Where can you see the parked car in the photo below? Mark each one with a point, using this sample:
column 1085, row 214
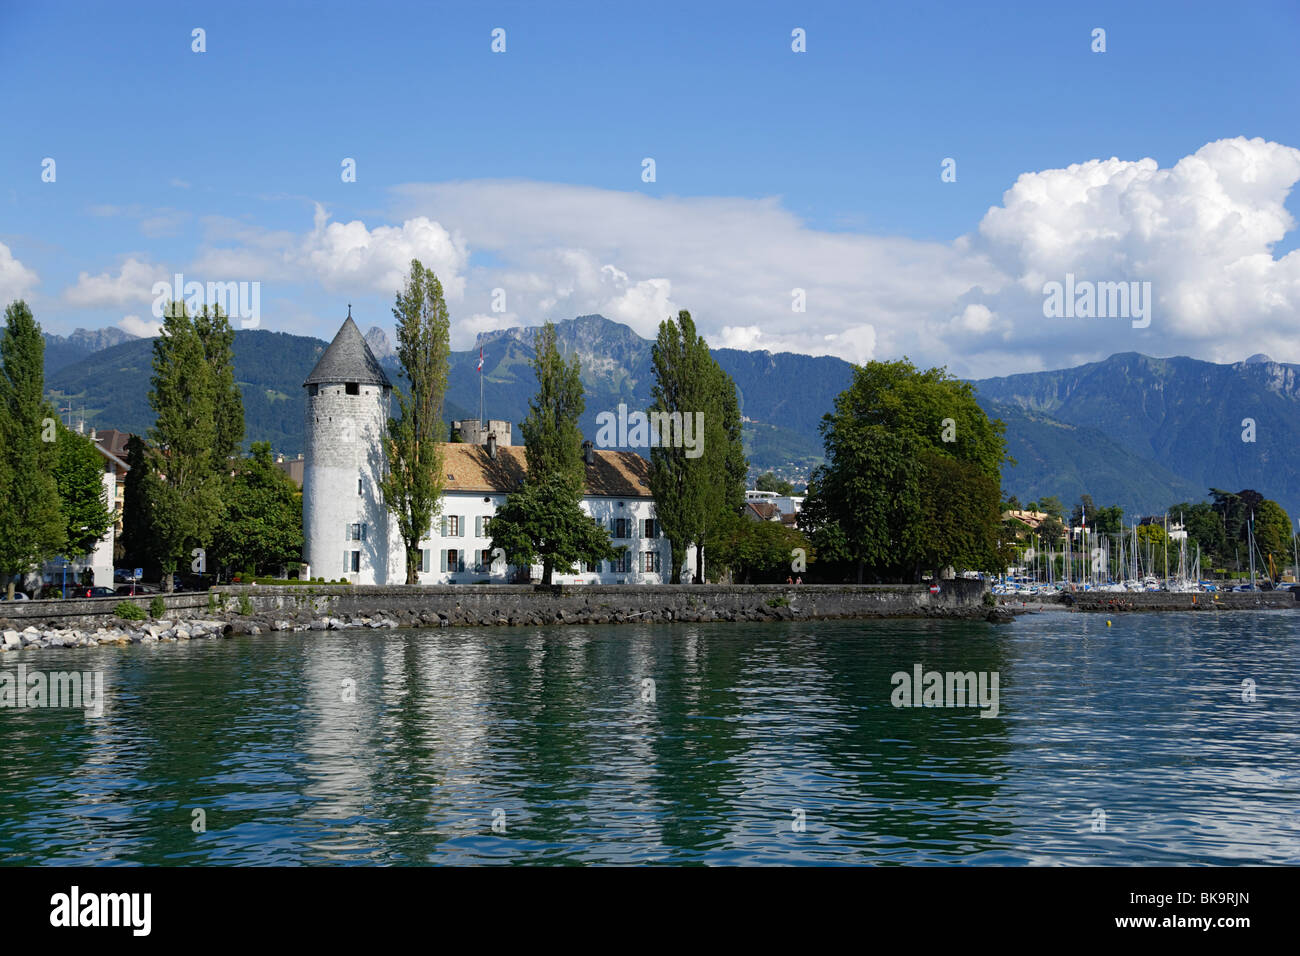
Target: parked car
column 129, row 589
column 18, row 596
column 87, row 592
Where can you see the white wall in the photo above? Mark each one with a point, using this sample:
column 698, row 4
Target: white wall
column 469, row 541
column 344, row 434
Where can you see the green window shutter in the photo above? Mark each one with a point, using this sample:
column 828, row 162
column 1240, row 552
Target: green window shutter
column 444, row 558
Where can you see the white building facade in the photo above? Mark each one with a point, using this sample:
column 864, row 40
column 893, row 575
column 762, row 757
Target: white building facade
column 349, row 534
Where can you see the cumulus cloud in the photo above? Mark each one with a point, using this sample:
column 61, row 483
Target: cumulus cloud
column 131, row 286
column 1201, row 233
column 341, row 257
column 16, row 280
column 756, row 276
column 736, row 264
column 145, row 328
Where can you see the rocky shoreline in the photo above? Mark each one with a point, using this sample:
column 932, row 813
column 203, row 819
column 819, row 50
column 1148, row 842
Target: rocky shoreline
column 175, row 630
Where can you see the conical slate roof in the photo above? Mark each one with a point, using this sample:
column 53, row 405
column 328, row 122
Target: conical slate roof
column 348, row 359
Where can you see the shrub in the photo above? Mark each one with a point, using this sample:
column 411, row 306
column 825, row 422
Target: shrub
column 245, row 605
column 779, row 602
column 129, row 612
column 990, row 600
column 157, row 607
column 214, row 601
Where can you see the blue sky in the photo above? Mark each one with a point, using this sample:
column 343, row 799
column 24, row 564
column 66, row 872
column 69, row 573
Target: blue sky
column 775, row 170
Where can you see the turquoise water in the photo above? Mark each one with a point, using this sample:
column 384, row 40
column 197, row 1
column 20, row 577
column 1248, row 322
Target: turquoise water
column 762, row 743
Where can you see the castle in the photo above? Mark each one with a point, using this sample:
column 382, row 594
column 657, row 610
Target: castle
column 349, row 533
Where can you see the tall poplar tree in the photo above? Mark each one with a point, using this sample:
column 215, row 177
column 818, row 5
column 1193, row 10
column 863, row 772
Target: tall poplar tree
column 695, row 496
column 186, row 455
column 139, row 494
column 31, row 520
column 544, row 519
column 218, row 337
column 552, row 437
column 413, row 485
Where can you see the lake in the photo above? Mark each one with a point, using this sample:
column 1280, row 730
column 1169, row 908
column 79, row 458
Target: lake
column 1137, row 743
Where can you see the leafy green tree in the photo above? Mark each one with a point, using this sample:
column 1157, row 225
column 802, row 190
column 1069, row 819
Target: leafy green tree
column 32, row 526
column 1273, row 530
column 552, row 437
column 888, row 443
column 678, row 358
column 139, row 494
column 759, row 551
column 413, row 485
column 1052, row 505
column 1083, row 509
column 214, row 330
column 1106, row 520
column 1205, row 530
column 695, row 493
column 724, row 464
column 543, row 521
column 770, row 482
column 79, row 476
column 187, row 505
column 959, row 519
column 263, row 526
column 1051, row 530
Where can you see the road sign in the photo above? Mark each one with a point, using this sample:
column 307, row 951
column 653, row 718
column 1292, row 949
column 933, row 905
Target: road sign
column 934, row 589
column 139, row 573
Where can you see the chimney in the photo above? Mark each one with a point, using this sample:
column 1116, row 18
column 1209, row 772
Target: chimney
column 588, row 453
column 492, row 446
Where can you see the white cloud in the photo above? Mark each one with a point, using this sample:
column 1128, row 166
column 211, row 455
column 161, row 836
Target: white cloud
column 131, row 286
column 16, row 280
column 1201, row 232
column 734, row 263
column 341, row 257
column 145, row 328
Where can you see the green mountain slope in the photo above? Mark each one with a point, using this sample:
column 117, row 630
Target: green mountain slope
column 1183, row 414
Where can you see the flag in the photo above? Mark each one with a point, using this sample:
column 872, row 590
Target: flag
column 480, row 359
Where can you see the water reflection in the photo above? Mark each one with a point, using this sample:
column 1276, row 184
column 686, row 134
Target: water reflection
column 681, row 744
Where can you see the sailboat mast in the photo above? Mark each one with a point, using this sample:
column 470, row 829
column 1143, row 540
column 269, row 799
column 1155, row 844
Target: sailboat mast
column 1250, row 541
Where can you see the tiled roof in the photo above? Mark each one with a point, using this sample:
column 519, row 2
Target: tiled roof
column 614, row 474
column 348, row 359
column 113, row 441
column 762, row 510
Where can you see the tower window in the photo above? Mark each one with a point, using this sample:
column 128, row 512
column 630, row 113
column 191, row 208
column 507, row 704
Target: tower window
column 311, row 391
column 352, row 388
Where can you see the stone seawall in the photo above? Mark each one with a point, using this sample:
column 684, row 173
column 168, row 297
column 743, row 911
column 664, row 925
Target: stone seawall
column 1164, row 601
column 523, row 604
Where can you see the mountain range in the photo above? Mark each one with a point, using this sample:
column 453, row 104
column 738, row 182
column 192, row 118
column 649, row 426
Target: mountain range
column 1131, row 430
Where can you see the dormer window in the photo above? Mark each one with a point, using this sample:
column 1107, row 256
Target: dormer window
column 352, row 388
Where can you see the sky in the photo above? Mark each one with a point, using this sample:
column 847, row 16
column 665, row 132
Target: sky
column 800, row 199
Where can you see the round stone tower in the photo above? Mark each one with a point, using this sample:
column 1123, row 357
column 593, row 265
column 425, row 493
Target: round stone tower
column 344, row 521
